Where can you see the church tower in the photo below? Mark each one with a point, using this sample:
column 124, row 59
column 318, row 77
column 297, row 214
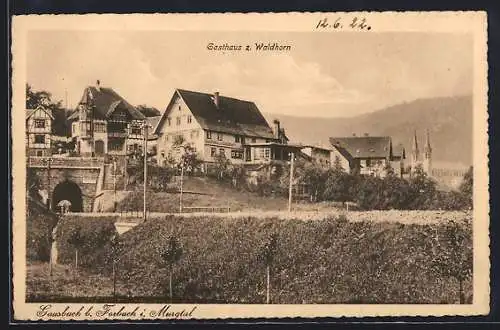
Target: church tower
column 427, row 163
column 414, row 152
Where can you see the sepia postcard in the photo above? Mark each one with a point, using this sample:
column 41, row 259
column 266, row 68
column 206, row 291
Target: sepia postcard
column 229, row 166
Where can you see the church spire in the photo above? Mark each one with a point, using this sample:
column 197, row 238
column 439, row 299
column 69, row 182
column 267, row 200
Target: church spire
column 427, row 155
column 414, row 149
column 427, row 148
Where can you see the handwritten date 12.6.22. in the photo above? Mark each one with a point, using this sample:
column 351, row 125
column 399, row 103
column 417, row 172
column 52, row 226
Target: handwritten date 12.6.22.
column 356, row 23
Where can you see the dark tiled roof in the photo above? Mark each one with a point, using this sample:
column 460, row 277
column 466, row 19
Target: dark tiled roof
column 106, row 100
column 233, row 116
column 364, row 147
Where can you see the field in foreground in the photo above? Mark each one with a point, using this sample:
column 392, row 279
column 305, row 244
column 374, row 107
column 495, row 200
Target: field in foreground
column 329, row 260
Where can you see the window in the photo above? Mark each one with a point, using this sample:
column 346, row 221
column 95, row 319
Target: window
column 100, row 127
column 236, row 154
column 40, row 138
column 242, row 140
column 213, row 151
column 178, row 121
column 261, row 153
column 169, row 122
column 39, row 123
column 179, row 108
column 222, row 152
column 39, row 153
column 267, row 153
column 368, row 163
column 219, row 136
column 237, row 138
column 190, row 118
column 254, row 140
column 136, row 131
column 209, row 135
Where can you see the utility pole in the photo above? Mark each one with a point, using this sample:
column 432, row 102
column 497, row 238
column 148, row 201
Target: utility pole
column 145, row 151
column 92, row 146
column 182, row 179
column 49, row 160
column 114, row 184
column 292, row 157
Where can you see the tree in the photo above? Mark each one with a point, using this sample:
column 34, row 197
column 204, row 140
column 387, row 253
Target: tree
column 337, row 164
column 115, row 252
column 221, row 166
column 148, row 111
column 369, row 195
column 189, row 158
column 170, row 255
column 238, row 175
column 339, row 186
column 313, row 177
column 422, row 190
column 76, row 239
column 467, row 186
column 34, row 98
column 267, row 255
column 33, row 183
column 454, row 255
column 395, row 192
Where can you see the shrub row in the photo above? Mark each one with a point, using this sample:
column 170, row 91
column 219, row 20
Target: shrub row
column 323, row 261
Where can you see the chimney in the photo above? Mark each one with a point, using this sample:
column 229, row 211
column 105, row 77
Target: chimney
column 98, row 85
column 276, row 129
column 216, row 99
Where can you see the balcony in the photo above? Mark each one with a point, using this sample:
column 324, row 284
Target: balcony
column 118, row 134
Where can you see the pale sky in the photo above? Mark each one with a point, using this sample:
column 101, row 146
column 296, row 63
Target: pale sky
column 324, row 75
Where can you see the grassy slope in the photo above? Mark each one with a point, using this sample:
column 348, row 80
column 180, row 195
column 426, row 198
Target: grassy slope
column 209, row 192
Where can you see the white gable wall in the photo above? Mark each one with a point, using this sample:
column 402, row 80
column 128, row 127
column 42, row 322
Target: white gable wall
column 178, row 115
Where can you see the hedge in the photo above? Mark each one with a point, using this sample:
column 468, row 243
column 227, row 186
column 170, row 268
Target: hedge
column 96, row 234
column 323, row 261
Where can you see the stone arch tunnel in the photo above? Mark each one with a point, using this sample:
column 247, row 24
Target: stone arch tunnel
column 70, row 191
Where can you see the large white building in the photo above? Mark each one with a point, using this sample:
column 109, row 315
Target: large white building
column 214, row 125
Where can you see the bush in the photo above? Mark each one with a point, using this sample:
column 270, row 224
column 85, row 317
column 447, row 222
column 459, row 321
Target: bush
column 322, row 261
column 38, row 236
column 96, row 234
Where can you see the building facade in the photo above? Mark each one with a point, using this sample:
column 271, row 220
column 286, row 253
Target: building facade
column 367, row 155
column 213, row 125
column 105, row 123
column 39, row 131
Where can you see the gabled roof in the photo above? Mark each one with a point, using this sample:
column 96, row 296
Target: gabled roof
column 30, row 112
column 106, row 101
column 232, row 116
column 153, row 121
column 363, row 146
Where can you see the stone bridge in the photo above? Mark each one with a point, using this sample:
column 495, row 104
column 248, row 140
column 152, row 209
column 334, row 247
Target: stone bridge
column 77, row 180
